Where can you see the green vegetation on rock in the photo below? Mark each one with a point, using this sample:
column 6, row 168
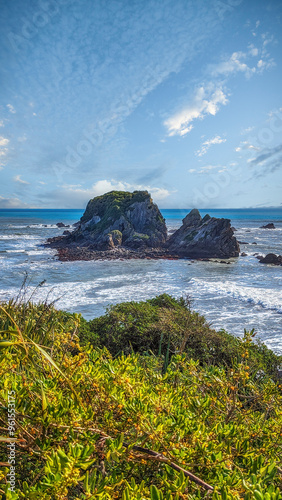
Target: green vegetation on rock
column 184, row 404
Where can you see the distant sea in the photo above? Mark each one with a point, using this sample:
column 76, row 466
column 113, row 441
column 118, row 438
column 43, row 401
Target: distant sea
column 242, row 294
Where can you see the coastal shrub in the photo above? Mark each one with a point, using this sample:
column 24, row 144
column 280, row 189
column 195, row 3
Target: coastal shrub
column 166, row 326
column 93, row 426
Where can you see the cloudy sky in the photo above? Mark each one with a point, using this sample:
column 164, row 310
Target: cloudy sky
column 179, row 97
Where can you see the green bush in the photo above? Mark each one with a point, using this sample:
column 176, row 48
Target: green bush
column 91, row 426
column 167, row 325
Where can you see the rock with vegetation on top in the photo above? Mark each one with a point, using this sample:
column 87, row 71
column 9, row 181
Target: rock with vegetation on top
column 204, row 237
column 121, row 218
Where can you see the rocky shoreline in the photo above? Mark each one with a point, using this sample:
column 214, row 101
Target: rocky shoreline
column 74, row 253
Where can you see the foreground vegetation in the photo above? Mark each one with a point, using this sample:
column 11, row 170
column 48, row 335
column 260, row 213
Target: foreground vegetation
column 146, row 402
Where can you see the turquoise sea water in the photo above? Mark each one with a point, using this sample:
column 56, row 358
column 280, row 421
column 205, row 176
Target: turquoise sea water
column 242, row 294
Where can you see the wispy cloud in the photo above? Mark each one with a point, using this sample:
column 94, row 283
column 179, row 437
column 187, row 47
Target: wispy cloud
column 266, row 155
column 234, row 64
column 209, row 97
column 11, row 108
column 12, row 203
column 17, row 178
column 206, row 101
column 207, row 169
column 208, row 143
column 246, row 145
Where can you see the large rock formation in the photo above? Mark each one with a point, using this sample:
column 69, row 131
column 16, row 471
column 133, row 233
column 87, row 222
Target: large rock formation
column 129, row 225
column 207, row 237
column 121, row 219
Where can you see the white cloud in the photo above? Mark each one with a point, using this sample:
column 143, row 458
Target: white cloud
column 262, row 65
column 233, row 65
column 3, row 141
column 253, row 51
column 1, row 123
column 207, row 144
column 12, row 203
column 11, row 108
column 78, row 196
column 247, row 130
column 17, row 178
column 207, row 101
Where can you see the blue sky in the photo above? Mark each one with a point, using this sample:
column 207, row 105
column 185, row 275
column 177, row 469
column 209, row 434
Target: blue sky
column 179, row 97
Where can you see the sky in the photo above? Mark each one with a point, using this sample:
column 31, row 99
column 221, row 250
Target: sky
column 178, row 97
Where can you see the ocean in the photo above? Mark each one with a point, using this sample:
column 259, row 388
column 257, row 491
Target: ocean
column 241, row 295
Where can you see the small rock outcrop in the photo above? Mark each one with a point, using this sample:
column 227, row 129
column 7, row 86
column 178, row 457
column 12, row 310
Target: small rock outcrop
column 268, row 226
column 204, row 237
column 121, row 218
column 271, row 258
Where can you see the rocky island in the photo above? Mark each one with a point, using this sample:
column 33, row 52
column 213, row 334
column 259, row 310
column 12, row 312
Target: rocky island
column 127, row 225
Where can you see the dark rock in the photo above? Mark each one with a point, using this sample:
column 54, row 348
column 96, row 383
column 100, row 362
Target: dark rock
column 243, row 243
column 268, row 226
column 129, row 225
column 66, row 232
column 207, row 237
column 271, row 258
column 243, row 254
column 234, row 229
column 254, row 243
column 60, row 224
column 121, row 218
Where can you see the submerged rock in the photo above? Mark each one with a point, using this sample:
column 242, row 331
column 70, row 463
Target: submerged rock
column 207, row 237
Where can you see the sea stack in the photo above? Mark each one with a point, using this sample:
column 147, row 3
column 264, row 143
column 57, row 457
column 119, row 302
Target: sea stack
column 129, row 225
column 205, row 237
column 119, row 219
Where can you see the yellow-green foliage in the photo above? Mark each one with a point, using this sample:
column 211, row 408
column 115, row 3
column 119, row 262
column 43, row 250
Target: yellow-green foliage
column 81, row 414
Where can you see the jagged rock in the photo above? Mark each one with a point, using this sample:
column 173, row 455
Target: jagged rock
column 129, row 225
column 268, row 226
column 207, row 237
column 243, row 254
column 121, row 218
column 60, row 224
column 271, row 258
column 66, row 232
